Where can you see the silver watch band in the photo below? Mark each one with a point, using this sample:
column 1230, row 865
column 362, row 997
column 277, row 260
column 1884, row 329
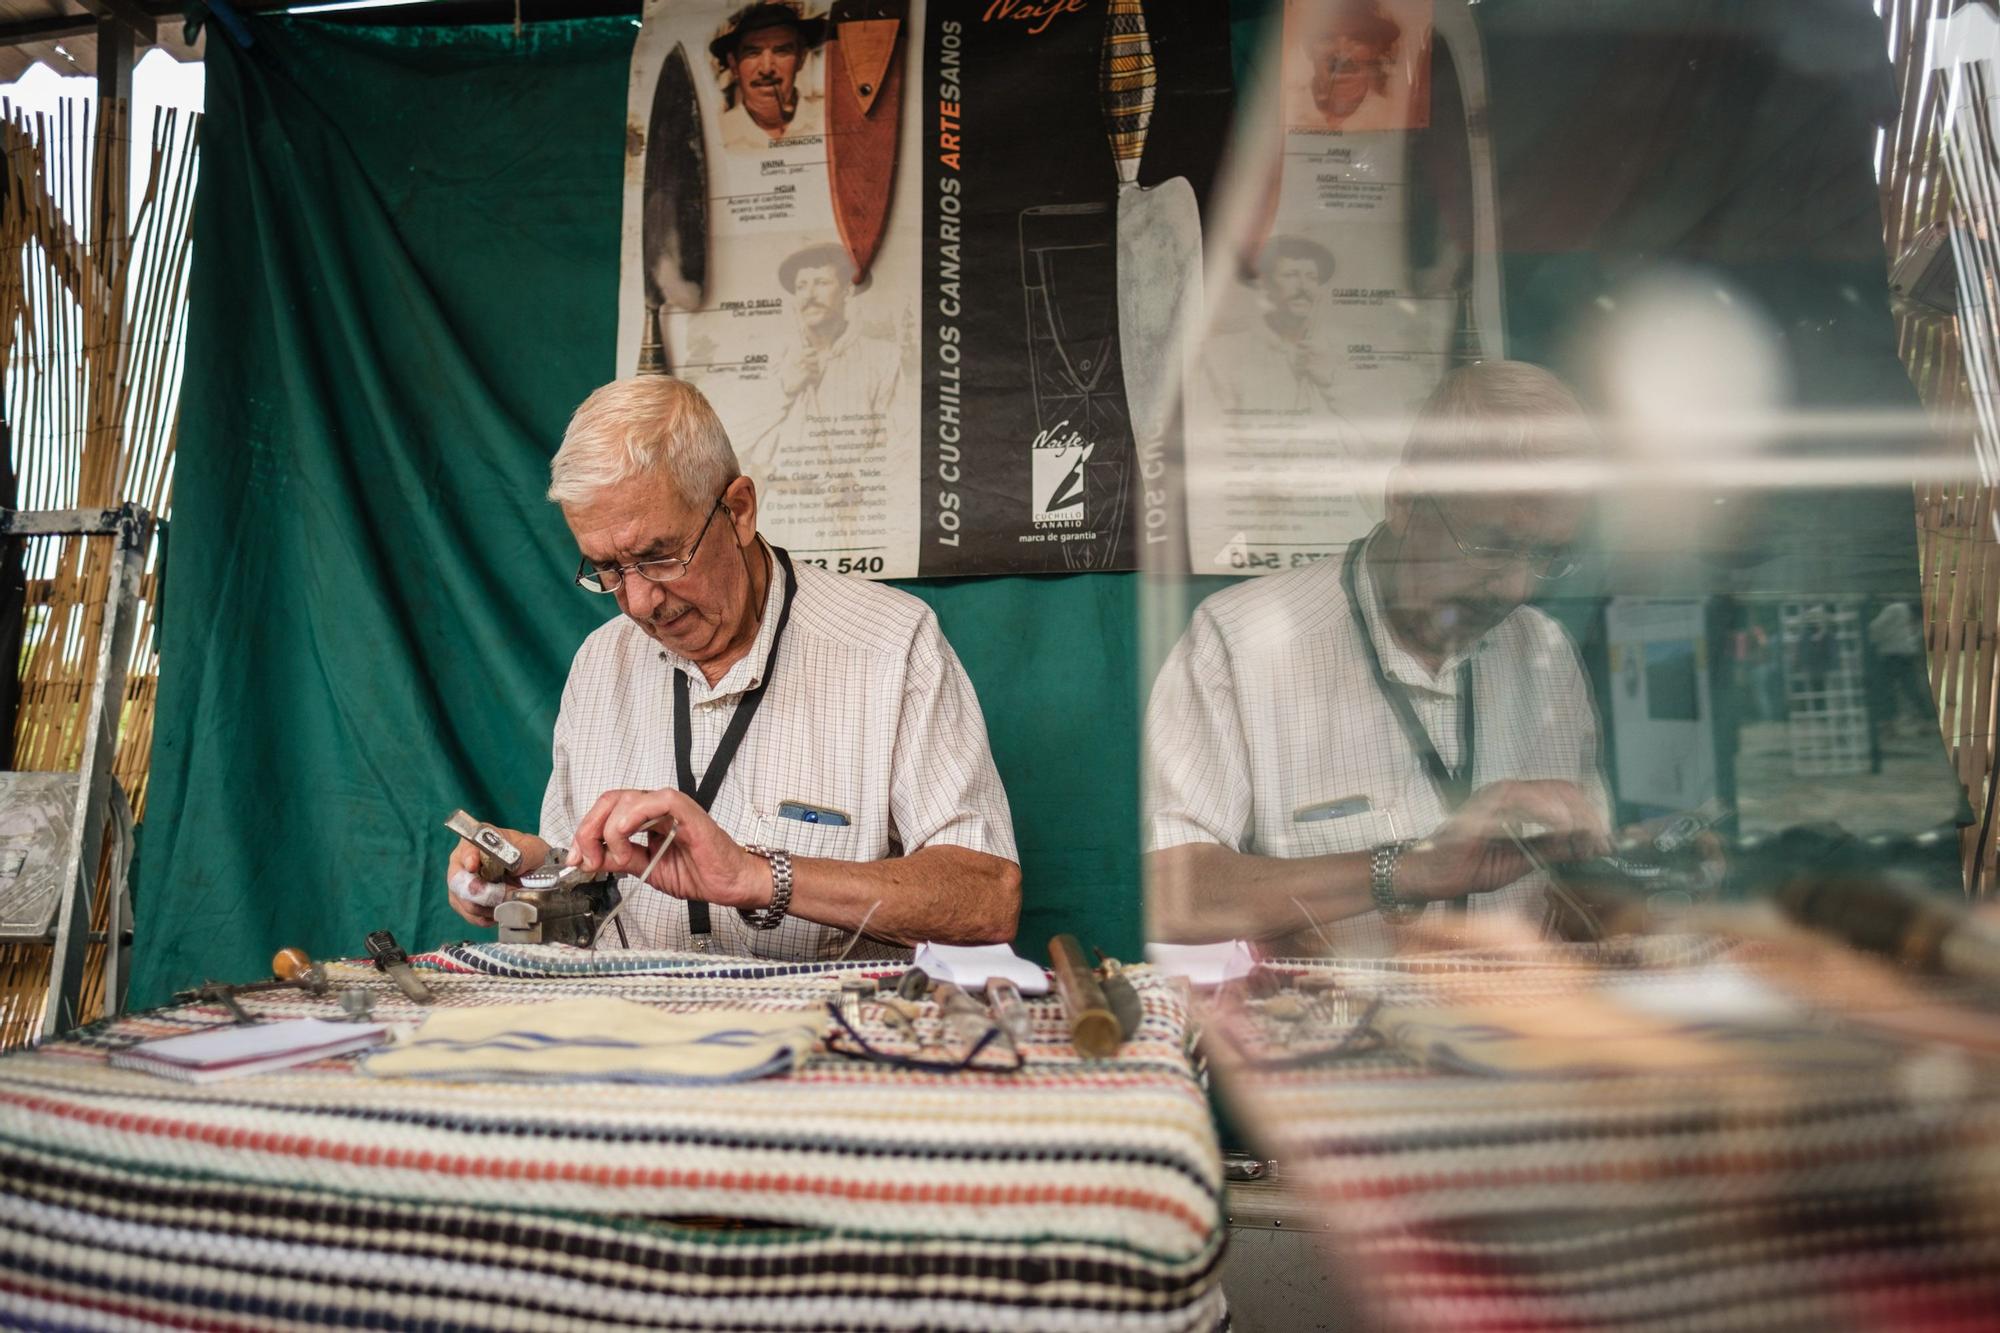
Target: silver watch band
column 1382, row 884
column 769, row 918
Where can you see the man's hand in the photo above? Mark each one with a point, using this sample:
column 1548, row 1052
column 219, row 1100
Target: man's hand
column 704, row 863
column 462, row 873
column 1475, row 852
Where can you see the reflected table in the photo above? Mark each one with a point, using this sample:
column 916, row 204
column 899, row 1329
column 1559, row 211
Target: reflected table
column 850, row 1194
column 1817, row 1187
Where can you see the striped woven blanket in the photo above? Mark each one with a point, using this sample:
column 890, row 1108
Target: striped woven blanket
column 1770, row 1197
column 851, row 1195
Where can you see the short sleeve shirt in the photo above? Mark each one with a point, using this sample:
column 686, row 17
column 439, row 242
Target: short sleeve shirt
column 869, row 717
column 1268, row 734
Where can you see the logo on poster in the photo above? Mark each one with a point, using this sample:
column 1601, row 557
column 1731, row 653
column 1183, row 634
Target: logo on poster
column 1057, row 476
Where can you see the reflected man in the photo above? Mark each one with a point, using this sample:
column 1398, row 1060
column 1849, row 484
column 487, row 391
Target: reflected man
column 1335, row 749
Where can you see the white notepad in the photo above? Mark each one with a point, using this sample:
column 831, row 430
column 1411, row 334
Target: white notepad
column 970, row 968
column 255, row 1048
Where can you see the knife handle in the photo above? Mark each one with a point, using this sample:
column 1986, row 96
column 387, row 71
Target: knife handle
column 1126, row 83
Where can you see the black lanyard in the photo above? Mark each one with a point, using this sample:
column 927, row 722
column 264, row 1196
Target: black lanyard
column 1453, row 784
column 710, row 782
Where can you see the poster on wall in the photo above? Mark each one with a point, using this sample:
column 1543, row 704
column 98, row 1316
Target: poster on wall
column 750, row 269
column 884, row 237
column 1337, row 328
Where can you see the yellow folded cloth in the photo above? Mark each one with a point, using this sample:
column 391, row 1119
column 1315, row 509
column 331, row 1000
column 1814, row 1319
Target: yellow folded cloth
column 600, row 1038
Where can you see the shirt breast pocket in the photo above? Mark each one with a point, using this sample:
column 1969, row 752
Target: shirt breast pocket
column 1346, row 833
column 831, row 842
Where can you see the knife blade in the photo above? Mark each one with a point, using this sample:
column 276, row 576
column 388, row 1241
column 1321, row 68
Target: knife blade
column 864, row 101
column 674, row 215
column 1159, row 236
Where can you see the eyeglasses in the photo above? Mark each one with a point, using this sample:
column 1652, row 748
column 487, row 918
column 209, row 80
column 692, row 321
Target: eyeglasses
column 857, row 1047
column 593, row 577
column 1547, row 563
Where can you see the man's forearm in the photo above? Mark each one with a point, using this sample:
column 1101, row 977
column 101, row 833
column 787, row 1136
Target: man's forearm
column 1203, row 892
column 947, row 895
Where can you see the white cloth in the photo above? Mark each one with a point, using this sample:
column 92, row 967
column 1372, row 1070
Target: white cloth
column 868, row 714
column 1266, row 714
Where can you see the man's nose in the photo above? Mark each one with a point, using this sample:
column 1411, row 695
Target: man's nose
column 1515, row 581
column 640, row 596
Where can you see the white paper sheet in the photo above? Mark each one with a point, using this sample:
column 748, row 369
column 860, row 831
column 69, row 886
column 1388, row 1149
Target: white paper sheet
column 971, row 968
column 1203, row 964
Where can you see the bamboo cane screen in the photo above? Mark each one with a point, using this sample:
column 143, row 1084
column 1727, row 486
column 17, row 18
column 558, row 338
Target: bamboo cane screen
column 1918, row 164
column 93, row 313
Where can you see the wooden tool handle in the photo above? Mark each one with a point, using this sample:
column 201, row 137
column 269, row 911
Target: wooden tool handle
column 291, row 964
column 1093, row 1029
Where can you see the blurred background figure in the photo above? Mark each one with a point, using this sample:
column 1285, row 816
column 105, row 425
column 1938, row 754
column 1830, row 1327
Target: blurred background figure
column 1896, row 634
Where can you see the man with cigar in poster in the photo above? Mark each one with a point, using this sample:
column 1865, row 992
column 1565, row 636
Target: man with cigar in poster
column 837, row 385
column 763, row 50
column 1343, row 58
column 1335, row 750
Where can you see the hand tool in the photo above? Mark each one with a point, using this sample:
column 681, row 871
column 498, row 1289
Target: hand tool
column 1093, row 1028
column 1120, row 995
column 673, row 831
column 498, row 858
column 390, row 958
column 1010, row 1011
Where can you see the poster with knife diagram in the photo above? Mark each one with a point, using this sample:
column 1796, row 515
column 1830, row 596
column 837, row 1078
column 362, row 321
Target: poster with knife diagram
column 896, row 242
column 771, row 257
column 1351, row 291
column 1071, row 144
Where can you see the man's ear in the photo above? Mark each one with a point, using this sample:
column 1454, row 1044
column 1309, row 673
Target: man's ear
column 1397, row 502
column 740, row 499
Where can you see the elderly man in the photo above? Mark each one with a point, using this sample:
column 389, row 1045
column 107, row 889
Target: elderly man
column 837, row 386
column 814, row 735
column 764, row 48
column 1334, row 749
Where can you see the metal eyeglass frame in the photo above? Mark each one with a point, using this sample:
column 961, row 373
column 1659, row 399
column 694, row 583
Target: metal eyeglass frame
column 1560, row 563
column 588, row 574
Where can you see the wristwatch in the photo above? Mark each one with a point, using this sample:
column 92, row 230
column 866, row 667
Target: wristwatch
column 1382, row 883
column 769, row 918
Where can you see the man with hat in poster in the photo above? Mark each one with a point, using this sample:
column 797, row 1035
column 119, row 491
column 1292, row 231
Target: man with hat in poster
column 763, row 49
column 837, row 386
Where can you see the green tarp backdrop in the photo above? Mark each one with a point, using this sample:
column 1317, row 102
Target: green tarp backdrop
column 405, row 278
column 406, row 261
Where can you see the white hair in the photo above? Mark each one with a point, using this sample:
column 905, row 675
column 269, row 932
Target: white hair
column 651, row 425
column 1500, row 412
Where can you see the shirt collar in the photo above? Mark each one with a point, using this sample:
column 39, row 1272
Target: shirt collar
column 1398, row 664
column 748, row 673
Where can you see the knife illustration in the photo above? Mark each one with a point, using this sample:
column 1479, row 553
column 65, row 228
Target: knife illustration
column 1159, row 237
column 674, row 217
column 864, row 102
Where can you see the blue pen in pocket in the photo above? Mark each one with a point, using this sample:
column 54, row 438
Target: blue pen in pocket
column 811, row 814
